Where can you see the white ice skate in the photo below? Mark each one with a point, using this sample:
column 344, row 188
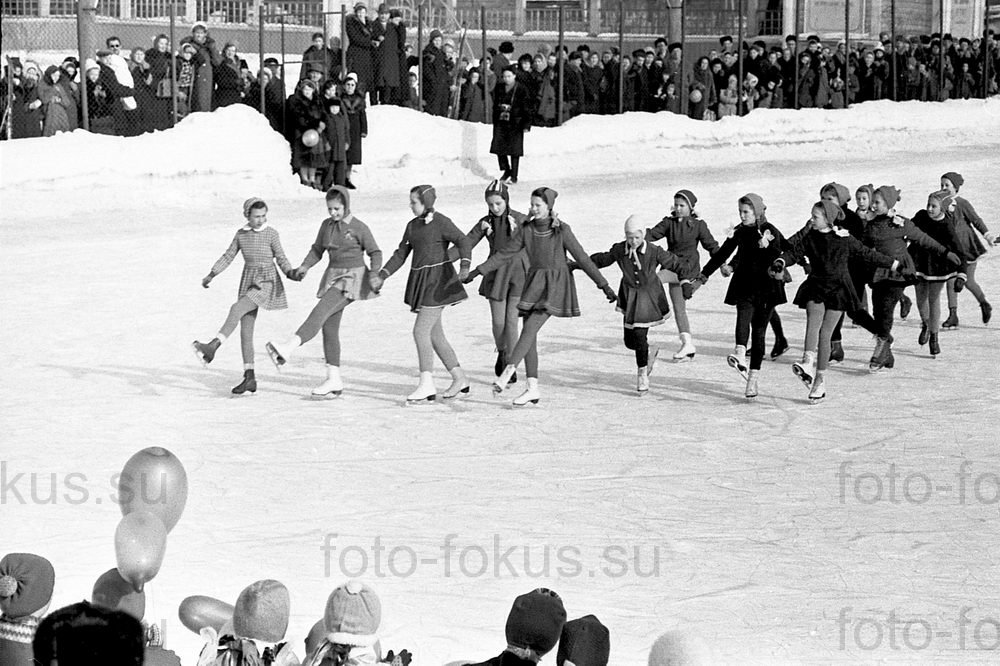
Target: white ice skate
column 425, row 392
column 277, row 355
column 806, row 368
column 503, row 381
column 818, row 390
column 738, row 361
column 459, row 384
column 687, row 350
column 531, row 395
column 333, row 387
column 653, row 353
column 751, row 391
column 642, row 380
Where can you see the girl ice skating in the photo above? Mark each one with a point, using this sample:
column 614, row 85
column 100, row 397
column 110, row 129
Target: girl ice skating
column 684, row 230
column 346, row 279
column 751, row 290
column 431, row 286
column 549, row 289
column 641, row 299
column 970, row 249
column 260, row 286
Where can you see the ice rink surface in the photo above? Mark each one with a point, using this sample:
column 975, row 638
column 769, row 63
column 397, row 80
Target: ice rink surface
column 861, row 529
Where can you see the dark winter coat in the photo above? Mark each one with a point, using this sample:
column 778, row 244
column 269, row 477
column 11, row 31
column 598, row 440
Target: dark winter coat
column 303, row 115
column 437, row 81
column 967, row 219
column 354, row 106
column 228, row 83
column 511, row 117
column 889, row 235
column 387, row 73
column 931, row 265
column 473, row 106
column 360, row 52
column 505, row 659
column 338, row 135
column 161, row 107
column 591, row 88
column 326, row 58
column 641, row 298
column 683, row 236
column 757, row 246
column 207, row 59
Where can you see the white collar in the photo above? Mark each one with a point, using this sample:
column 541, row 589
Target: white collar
column 247, row 227
column 632, row 250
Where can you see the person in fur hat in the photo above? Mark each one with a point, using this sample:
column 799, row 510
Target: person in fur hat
column 346, row 280
column 432, row 285
column 534, row 625
column 436, row 86
column 86, row 635
column 361, row 45
column 828, row 291
column 967, row 223
column 584, row 642
column 549, row 289
column 641, row 298
column 26, row 584
column 260, row 618
column 113, row 592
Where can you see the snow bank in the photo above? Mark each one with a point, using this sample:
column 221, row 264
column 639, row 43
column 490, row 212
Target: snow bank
column 235, row 142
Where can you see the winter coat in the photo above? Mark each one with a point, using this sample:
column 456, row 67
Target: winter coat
column 160, row 64
column 889, row 235
column 473, row 106
column 328, row 60
column 338, row 135
column 683, row 237
column 303, row 115
column 360, row 52
column 757, row 246
column 931, row 265
column 228, row 83
column 641, row 298
column 354, row 108
column 437, row 81
column 56, row 105
column 145, row 96
column 206, row 59
column 387, row 71
column 511, row 117
column 591, row 88
column 728, row 98
column 967, row 222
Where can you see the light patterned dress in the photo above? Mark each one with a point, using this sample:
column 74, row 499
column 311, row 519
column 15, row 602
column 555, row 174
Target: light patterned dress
column 260, row 281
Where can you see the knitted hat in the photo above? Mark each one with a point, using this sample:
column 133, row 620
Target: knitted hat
column 434, row 34
column 113, row 592
column 344, row 193
column 85, row 635
column 944, row 197
column 890, row 194
column 498, row 187
column 584, row 642
column 536, row 620
column 675, row 648
column 250, row 203
column 26, row 583
column 756, row 202
column 832, row 211
column 841, row 192
column 955, row 178
column 395, row 13
column 383, row 9
column 635, row 223
column 688, row 196
column 425, row 194
column 353, row 615
column 360, row 5
column 546, row 194
column 261, row 611
column 870, row 189
column 90, row 64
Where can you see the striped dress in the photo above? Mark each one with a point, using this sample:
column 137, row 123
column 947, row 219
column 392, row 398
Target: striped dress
column 260, row 281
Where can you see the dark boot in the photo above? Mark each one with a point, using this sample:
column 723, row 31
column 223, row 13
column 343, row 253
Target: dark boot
column 249, row 383
column 206, row 351
column 836, row 351
column 987, row 311
column 924, row 333
column 779, row 348
column 501, row 363
column 934, row 346
column 952, row 320
column 905, row 305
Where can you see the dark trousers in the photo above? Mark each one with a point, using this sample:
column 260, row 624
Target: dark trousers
column 885, row 296
column 509, row 164
column 336, row 174
column 636, row 339
column 751, row 323
column 860, row 317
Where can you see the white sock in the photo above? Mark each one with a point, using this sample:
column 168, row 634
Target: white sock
column 221, row 336
column 293, row 342
column 248, row 366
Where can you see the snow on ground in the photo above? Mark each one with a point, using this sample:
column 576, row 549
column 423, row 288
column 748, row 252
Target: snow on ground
column 764, row 519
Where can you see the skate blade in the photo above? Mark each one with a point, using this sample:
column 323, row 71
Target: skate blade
column 735, row 365
column 275, row 357
column 414, row 402
column 653, row 353
column 518, row 405
column 803, row 375
column 462, row 393
column 329, row 395
column 816, row 401
column 751, row 398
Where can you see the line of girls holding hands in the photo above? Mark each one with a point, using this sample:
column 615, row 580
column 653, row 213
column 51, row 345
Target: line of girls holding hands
column 529, row 277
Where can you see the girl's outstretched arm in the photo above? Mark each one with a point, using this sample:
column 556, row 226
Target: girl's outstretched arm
column 582, row 258
column 223, row 262
column 399, row 256
column 279, row 254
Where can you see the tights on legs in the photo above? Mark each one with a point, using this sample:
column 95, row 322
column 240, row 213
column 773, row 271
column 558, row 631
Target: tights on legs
column 247, row 322
column 680, row 307
column 326, row 316
column 929, row 304
column 636, row 340
column 526, row 347
column 970, row 284
column 820, row 323
column 751, row 323
column 430, row 339
column 241, row 307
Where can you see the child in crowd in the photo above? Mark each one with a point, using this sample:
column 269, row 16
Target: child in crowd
column 432, row 285
column 751, row 290
column 971, row 248
column 549, row 290
column 260, row 287
column 684, row 230
column 534, row 626
column 337, row 134
column 641, row 299
column 346, row 279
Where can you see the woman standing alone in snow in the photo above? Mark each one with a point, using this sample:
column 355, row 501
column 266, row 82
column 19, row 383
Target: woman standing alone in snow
column 260, row 287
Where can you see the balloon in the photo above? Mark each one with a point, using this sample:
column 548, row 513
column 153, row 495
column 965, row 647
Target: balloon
column 200, row 611
column 154, row 480
column 695, row 96
column 316, row 637
column 140, row 543
column 114, row 592
column 310, row 138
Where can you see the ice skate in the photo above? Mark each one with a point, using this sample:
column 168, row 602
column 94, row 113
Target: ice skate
column 530, row 395
column 882, row 357
column 987, row 310
column 779, row 348
column 503, row 380
column 806, row 368
column 924, row 334
column 687, row 350
column 952, row 321
column 248, row 385
column 277, row 355
column 333, row 387
column 205, row 351
column 642, row 380
column 818, row 390
column 501, row 362
column 653, row 353
column 905, row 305
column 738, row 360
column 425, row 391
column 836, row 351
column 751, row 390
column 934, row 345
column 459, row 384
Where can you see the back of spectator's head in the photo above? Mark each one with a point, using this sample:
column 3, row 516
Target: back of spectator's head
column 676, row 648
column 536, row 619
column 584, row 642
column 544, row 49
column 575, row 56
column 353, row 610
column 86, row 635
column 947, row 37
column 26, row 583
column 507, row 48
column 262, row 611
column 583, row 48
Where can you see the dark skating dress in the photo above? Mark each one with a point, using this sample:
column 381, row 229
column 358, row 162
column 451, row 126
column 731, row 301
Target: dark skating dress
column 931, row 266
column 829, row 280
column 757, row 246
column 508, row 279
column 548, row 285
column 641, row 298
column 432, row 282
